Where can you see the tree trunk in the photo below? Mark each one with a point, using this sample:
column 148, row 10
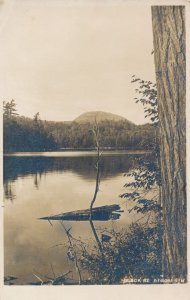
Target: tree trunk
column 170, row 63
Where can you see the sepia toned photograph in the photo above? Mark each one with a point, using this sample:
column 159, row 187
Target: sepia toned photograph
column 94, row 143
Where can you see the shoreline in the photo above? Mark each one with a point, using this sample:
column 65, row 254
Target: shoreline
column 73, row 152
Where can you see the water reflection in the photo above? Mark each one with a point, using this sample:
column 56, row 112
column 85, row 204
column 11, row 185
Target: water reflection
column 103, row 213
column 8, row 190
column 18, row 166
column 85, row 166
column 43, row 186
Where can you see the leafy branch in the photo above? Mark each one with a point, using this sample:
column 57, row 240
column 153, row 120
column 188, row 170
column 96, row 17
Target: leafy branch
column 148, row 97
column 147, row 175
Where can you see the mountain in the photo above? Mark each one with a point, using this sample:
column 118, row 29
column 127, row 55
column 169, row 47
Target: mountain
column 116, row 132
column 99, row 116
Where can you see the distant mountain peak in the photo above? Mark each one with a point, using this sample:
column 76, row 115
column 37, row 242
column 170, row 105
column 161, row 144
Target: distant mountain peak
column 91, row 116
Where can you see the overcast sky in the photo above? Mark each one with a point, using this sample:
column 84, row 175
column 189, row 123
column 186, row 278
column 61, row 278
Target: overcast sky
column 63, row 60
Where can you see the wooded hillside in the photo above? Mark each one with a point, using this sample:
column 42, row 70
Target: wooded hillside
column 25, row 134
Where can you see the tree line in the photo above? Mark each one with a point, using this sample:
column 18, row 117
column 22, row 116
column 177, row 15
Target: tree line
column 170, row 61
column 33, row 134
column 24, row 134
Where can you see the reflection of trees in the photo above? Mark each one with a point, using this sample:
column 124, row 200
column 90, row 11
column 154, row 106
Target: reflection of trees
column 111, row 165
column 84, row 166
column 115, row 255
column 96, row 133
column 8, row 190
column 22, row 166
column 37, row 179
column 96, row 237
column 8, row 186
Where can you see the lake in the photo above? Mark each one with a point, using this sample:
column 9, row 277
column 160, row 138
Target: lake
column 49, row 183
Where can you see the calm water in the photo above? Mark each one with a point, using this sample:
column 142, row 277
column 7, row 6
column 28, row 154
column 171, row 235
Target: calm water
column 42, row 184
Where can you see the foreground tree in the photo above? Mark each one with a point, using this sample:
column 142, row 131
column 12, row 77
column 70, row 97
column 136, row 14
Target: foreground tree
column 170, row 63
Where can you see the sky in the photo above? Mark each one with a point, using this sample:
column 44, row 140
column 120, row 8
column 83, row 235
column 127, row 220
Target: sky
column 63, row 60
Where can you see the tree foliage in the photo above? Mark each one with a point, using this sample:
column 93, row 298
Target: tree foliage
column 147, row 175
column 9, row 109
column 25, row 134
column 131, row 253
column 147, row 95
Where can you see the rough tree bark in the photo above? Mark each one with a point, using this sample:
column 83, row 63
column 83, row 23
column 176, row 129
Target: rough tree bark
column 170, row 63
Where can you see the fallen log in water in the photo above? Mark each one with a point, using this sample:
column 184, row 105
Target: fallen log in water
column 102, row 213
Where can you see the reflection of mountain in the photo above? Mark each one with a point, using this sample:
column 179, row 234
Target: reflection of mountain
column 84, row 166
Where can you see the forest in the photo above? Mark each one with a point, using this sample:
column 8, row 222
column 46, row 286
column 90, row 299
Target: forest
column 155, row 247
column 33, row 134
